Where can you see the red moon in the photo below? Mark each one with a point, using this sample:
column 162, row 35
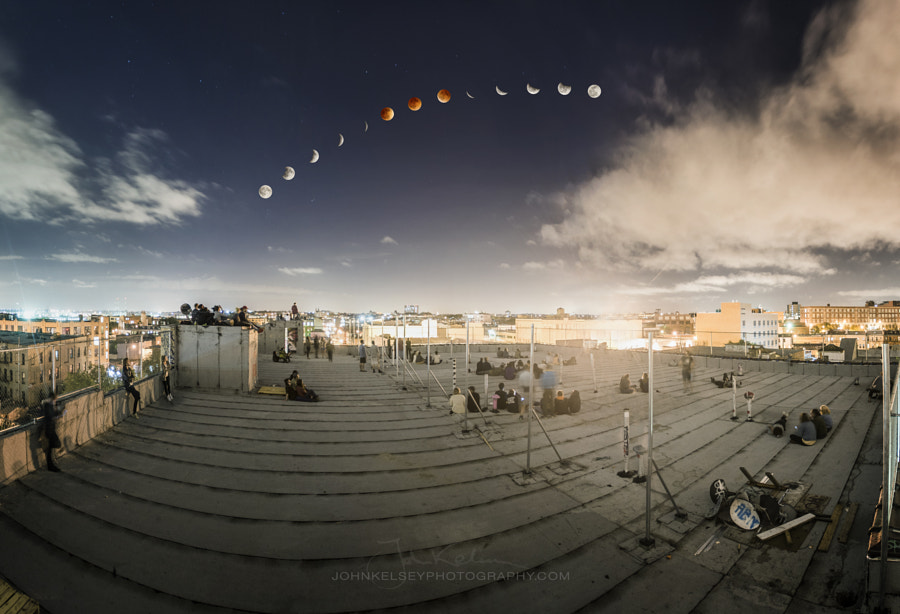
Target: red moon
column 387, row 114
column 415, row 104
column 444, row 96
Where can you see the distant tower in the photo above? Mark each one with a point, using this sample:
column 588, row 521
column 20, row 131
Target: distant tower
column 560, row 312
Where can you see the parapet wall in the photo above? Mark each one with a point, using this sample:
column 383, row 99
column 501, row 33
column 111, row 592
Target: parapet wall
column 86, row 415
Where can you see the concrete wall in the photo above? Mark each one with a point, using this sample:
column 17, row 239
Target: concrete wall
column 86, row 415
column 217, row 358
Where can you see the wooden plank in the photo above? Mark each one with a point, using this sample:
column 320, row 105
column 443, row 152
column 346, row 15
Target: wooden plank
column 786, row 526
column 14, row 605
column 6, row 592
column 825, row 542
column 844, row 535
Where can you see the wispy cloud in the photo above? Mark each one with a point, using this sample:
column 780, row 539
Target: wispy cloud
column 817, row 168
column 45, row 175
column 389, row 241
column 751, row 282
column 79, row 257
column 83, row 284
column 12, row 257
column 543, row 266
column 300, row 271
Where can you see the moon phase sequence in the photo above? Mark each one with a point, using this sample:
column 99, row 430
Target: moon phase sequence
column 415, row 104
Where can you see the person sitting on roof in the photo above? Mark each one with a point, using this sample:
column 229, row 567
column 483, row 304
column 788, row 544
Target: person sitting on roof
column 644, row 383
column 805, row 432
column 625, row 385
column 483, row 366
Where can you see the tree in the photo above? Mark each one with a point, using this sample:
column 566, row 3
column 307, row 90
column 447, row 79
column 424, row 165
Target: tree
column 79, row 381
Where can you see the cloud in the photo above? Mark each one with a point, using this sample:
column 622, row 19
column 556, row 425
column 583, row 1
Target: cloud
column 83, row 284
column 543, row 266
column 12, row 257
column 817, row 168
column 878, row 295
column 300, row 271
column 279, row 250
column 79, row 257
column 389, row 241
column 504, row 265
column 45, row 176
column 750, row 282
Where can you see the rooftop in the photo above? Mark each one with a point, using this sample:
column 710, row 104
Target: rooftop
column 371, row 500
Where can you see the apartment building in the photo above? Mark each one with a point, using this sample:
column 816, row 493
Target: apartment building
column 736, row 322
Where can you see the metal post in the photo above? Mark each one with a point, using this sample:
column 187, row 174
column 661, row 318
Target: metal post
column 453, row 361
column 467, row 347
column 594, row 371
column 887, row 487
column 648, row 540
column 486, row 397
column 52, row 369
column 405, row 357
column 530, row 410
column 626, row 473
column 428, row 360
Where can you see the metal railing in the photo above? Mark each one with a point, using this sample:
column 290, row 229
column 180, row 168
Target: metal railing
column 71, row 366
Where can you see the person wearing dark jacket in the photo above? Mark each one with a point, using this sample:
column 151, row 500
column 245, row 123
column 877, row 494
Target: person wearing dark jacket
column 473, row 400
column 500, row 398
column 128, row 378
column 50, row 414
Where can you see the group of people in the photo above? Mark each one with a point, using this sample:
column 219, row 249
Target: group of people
column 626, row 387
column 813, row 426
column 513, row 402
column 554, row 405
column 296, row 390
column 204, row 316
column 317, row 345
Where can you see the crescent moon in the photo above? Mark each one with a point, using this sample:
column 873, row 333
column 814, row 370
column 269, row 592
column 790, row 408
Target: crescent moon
column 265, row 191
column 501, row 92
column 594, row 91
column 367, row 127
column 315, row 157
column 288, row 173
column 532, row 90
column 469, row 95
column 564, row 89
column 340, row 139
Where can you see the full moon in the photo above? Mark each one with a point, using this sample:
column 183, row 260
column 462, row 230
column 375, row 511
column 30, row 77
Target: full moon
column 315, row 157
column 288, row 173
column 594, row 91
column 415, row 104
column 531, row 90
column 564, row 89
column 265, row 191
column 444, row 96
column 387, row 114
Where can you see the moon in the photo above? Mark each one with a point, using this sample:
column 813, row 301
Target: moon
column 469, row 95
column 564, row 89
column 501, row 92
column 315, row 157
column 265, row 191
column 387, row 114
column 288, row 173
column 340, row 139
column 532, row 90
column 443, row 96
column 415, row 104
column 594, row 91
column 366, row 129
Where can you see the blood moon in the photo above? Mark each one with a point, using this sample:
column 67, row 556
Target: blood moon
column 443, row 96
column 415, row 104
column 387, row 114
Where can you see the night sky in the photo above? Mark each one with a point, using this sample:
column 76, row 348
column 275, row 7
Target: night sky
column 740, row 150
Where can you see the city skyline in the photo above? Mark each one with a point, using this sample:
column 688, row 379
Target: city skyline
column 737, row 152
